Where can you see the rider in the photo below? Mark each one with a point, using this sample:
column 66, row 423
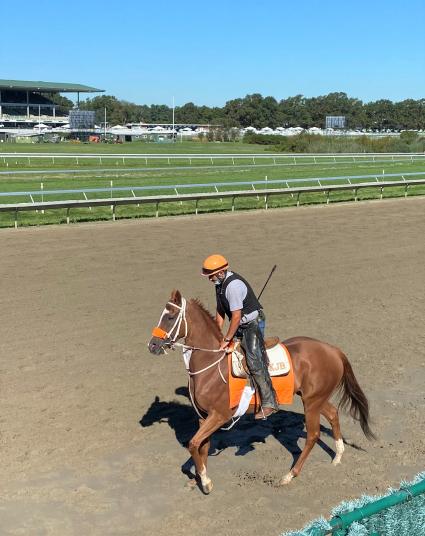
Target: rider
column 236, row 300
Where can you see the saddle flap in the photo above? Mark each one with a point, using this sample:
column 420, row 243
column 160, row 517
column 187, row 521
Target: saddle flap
column 279, row 364
column 238, row 357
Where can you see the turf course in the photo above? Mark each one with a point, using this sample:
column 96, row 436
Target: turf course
column 30, row 175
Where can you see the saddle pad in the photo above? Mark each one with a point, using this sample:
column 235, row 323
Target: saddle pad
column 283, row 385
column 279, row 361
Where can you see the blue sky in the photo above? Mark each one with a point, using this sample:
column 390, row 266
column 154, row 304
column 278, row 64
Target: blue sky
column 208, row 53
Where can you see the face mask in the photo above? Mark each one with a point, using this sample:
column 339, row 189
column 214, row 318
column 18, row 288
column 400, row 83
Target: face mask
column 217, row 282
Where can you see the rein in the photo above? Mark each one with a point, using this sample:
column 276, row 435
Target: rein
column 187, row 350
column 181, row 317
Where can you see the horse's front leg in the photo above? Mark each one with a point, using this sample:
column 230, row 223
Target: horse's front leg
column 199, row 446
column 205, row 447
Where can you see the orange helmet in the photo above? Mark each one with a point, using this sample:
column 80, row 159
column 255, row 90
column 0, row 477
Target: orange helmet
column 214, row 264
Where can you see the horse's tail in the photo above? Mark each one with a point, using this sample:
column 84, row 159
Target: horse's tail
column 353, row 399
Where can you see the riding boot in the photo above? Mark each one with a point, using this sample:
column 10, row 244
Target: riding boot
column 253, row 344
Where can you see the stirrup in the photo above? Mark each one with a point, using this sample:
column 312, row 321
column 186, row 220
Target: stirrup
column 263, row 415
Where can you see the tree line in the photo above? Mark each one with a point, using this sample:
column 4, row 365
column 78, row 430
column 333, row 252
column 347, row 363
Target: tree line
column 259, row 112
column 407, row 142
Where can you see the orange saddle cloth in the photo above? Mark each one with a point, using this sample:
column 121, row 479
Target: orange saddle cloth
column 283, row 385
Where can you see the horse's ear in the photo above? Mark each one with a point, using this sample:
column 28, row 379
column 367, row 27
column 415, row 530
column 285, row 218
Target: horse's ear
column 176, row 297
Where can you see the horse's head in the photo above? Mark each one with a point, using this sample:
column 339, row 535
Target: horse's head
column 172, row 324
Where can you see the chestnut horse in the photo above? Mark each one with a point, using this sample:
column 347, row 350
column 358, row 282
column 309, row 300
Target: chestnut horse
column 319, row 369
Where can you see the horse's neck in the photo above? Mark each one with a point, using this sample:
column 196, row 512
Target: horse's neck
column 200, row 332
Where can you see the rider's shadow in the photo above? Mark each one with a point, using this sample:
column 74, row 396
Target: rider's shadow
column 285, row 426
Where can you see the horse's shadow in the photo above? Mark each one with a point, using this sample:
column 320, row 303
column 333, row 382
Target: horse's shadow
column 285, row 426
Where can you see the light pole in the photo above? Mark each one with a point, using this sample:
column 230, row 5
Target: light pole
column 173, row 121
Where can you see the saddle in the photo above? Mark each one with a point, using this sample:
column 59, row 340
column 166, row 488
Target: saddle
column 280, row 370
column 278, row 360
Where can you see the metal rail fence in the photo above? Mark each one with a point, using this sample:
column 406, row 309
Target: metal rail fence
column 99, row 172
column 197, row 197
column 276, row 157
column 200, row 186
column 201, row 155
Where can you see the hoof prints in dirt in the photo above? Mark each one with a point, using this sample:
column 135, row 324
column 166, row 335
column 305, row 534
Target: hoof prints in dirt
column 253, row 477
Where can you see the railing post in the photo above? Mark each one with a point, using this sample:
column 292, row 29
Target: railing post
column 16, row 218
column 157, row 209
column 196, row 206
column 298, row 199
column 67, row 215
column 113, row 212
column 233, row 203
column 216, row 189
column 42, row 195
column 177, row 193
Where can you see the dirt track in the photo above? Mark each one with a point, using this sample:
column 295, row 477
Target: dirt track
column 77, row 307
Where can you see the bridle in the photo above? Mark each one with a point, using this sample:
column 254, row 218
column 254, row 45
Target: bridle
column 181, row 317
column 171, row 341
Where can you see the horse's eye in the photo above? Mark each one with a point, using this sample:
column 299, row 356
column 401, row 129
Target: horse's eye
column 171, row 318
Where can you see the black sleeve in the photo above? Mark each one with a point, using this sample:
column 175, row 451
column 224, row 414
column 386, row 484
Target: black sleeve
column 220, row 309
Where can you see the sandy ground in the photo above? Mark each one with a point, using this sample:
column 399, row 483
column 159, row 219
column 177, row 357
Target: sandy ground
column 93, row 427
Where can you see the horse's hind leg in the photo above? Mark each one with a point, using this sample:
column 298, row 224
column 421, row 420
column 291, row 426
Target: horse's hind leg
column 330, row 412
column 312, row 421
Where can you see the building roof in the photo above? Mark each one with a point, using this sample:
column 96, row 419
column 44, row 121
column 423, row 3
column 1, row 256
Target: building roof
column 54, row 87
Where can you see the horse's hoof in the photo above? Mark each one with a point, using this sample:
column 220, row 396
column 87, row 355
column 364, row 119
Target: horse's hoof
column 336, row 461
column 286, row 479
column 207, row 488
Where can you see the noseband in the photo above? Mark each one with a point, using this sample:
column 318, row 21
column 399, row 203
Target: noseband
column 181, row 317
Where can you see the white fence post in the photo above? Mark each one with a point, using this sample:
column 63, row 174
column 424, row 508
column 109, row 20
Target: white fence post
column 42, row 195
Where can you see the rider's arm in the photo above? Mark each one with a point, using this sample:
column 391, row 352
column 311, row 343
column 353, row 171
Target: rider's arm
column 235, row 294
column 234, row 324
column 219, row 319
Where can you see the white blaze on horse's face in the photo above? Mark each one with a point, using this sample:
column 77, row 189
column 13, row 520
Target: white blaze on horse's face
column 169, row 327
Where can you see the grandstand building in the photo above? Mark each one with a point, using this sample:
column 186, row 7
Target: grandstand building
column 26, row 104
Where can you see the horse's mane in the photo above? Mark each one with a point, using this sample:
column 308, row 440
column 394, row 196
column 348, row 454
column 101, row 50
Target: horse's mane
column 208, row 317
